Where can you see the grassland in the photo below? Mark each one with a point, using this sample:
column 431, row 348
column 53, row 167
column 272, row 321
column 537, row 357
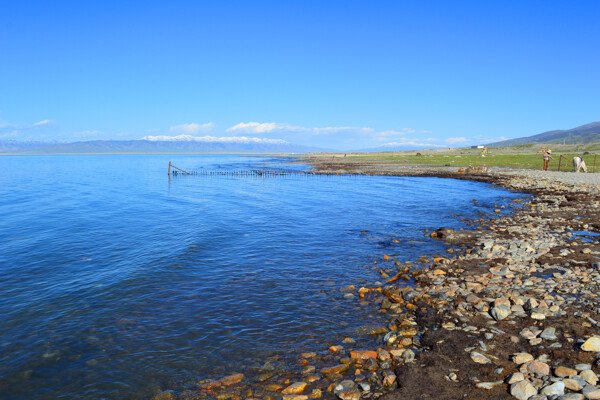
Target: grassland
column 523, row 156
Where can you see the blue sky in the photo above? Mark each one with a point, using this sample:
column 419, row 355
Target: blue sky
column 343, row 75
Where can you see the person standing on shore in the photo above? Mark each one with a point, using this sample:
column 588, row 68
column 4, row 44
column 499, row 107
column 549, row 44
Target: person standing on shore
column 547, row 157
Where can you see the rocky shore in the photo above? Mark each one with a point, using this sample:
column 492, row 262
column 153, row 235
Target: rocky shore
column 512, row 313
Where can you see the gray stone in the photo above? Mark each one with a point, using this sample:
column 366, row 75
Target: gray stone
column 549, row 334
column 522, row 390
column 556, row 389
column 480, row 358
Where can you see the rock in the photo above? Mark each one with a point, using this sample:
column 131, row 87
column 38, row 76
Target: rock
column 522, row 390
column 592, row 344
column 338, row 369
column 396, row 353
column 232, row 379
column 571, row 396
column 589, row 376
column 347, row 390
column 521, row 358
column 389, row 379
column 583, row 367
column 316, row 394
column 537, row 315
column 501, row 309
column 335, row 349
column 515, row 377
column 536, row 367
column 549, row 334
column 295, row 397
column 408, row 356
column 377, row 330
column 563, row 372
column 573, row 384
column 362, row 354
column 591, row 392
column 488, row 385
column 166, row 395
column 556, row 389
column 295, row 388
column 480, row 358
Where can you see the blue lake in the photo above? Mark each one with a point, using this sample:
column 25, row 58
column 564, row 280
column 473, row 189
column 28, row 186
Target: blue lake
column 116, row 281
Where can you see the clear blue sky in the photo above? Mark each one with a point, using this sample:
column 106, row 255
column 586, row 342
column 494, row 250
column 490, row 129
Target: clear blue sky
column 342, row 75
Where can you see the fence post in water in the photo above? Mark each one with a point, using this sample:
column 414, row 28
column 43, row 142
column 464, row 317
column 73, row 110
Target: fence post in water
column 169, row 173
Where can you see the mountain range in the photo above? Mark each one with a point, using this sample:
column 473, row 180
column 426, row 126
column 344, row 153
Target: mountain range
column 158, row 145
column 588, row 133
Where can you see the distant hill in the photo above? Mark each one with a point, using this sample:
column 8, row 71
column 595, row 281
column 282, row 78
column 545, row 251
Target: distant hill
column 581, row 135
column 157, row 146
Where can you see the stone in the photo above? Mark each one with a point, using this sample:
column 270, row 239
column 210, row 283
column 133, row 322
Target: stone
column 488, row 385
column 338, row 369
column 480, row 358
column 549, row 334
column 362, row 354
column 589, row 376
column 521, row 358
column 573, row 384
column 591, row 392
column 295, row 397
column 522, row 390
column 556, row 389
column 295, row 388
column 583, row 367
column 501, row 309
column 232, row 379
column 515, row 377
column 563, row 372
column 592, row 344
column 397, row 353
column 571, row 396
column 408, row 356
column 536, row 367
column 347, row 390
column 335, row 349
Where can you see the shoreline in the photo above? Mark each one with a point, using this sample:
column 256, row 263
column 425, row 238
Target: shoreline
column 505, row 315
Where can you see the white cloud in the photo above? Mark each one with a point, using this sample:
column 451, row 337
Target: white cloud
column 43, row 122
column 212, row 139
column 454, row 140
column 267, row 127
column 191, row 128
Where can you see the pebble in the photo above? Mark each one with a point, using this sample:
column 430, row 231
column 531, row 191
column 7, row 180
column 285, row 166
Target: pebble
column 295, row 388
column 522, row 390
column 556, row 389
column 592, row 344
column 480, row 358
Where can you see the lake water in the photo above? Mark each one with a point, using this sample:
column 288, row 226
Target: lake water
column 116, row 281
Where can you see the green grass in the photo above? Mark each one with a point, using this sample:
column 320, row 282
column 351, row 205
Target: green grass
column 522, row 156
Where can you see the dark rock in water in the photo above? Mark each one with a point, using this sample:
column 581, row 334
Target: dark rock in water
column 370, row 365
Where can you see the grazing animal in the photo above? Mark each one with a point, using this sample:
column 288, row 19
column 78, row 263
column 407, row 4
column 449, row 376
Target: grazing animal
column 578, row 164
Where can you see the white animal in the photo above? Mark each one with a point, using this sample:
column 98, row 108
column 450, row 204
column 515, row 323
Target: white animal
column 578, row 164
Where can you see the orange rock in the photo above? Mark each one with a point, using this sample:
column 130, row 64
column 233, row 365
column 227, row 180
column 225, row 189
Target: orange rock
column 308, row 355
column 232, row 379
column 338, row 369
column 335, row 349
column 273, row 387
column 295, row 388
column 295, row 397
column 385, row 257
column 363, row 354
